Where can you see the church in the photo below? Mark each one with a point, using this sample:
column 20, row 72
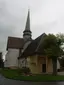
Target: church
column 26, row 51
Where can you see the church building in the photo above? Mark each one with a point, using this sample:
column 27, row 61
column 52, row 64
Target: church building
column 26, row 51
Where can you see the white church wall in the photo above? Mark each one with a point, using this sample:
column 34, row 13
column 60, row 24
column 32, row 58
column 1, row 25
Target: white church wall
column 23, row 62
column 11, row 58
column 5, row 62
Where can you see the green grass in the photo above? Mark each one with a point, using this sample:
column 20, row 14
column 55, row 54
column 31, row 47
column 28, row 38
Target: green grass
column 14, row 74
column 9, row 72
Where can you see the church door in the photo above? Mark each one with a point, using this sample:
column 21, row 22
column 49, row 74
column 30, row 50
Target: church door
column 43, row 68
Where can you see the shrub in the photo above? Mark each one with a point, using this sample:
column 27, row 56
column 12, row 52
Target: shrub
column 25, row 70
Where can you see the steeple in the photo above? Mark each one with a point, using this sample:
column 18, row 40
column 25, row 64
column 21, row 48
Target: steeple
column 27, row 32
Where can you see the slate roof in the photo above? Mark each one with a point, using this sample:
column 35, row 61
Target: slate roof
column 33, row 47
column 14, row 42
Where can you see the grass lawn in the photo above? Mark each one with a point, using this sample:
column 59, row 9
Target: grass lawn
column 14, row 74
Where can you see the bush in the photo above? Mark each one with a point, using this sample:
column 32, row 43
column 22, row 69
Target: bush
column 25, row 70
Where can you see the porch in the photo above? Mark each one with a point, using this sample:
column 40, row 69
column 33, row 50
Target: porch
column 39, row 64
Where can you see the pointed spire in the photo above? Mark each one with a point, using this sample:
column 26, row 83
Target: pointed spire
column 28, row 21
column 27, row 32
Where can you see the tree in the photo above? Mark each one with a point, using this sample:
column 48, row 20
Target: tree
column 1, row 61
column 61, row 37
column 52, row 48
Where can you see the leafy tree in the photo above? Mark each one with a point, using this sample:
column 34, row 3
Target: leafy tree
column 1, row 61
column 61, row 37
column 51, row 46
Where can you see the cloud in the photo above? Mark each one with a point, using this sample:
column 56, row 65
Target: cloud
column 43, row 28
column 10, row 25
column 45, row 16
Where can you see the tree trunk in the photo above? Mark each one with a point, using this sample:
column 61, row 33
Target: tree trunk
column 54, row 61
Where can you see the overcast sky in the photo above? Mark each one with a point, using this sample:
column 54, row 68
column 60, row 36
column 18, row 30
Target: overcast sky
column 45, row 16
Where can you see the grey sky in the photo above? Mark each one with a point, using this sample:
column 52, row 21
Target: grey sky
column 46, row 16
